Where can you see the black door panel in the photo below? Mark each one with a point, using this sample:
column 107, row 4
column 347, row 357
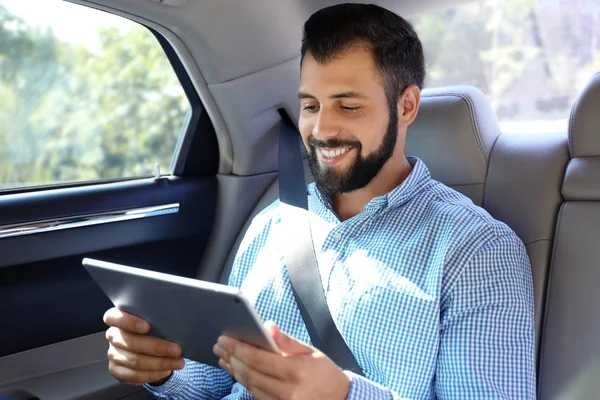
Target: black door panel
column 196, row 198
column 45, row 294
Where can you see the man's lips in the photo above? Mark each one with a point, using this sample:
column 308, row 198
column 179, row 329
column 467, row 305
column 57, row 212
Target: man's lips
column 331, row 156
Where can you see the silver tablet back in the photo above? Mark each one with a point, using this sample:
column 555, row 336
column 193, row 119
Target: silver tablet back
column 186, row 311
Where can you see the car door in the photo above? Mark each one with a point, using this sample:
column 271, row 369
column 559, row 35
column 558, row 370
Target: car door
column 105, row 152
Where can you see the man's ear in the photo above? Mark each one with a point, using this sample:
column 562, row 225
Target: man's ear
column 408, row 105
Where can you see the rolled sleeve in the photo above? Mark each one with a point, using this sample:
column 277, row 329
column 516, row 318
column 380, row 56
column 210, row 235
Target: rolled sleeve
column 363, row 388
column 174, row 385
column 195, row 381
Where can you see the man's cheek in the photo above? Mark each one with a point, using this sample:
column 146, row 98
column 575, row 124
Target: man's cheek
column 305, row 132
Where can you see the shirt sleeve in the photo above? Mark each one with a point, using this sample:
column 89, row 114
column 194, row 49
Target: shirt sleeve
column 194, row 382
column 487, row 337
column 487, row 342
column 363, row 388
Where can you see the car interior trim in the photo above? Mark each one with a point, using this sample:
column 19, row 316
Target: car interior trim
column 34, row 227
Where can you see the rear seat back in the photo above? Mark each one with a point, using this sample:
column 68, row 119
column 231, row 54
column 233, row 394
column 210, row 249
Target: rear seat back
column 570, row 356
column 523, row 190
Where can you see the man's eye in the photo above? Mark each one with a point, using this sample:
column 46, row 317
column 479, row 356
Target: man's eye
column 350, row 109
column 309, row 108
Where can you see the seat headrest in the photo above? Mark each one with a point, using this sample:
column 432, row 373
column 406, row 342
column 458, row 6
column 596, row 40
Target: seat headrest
column 454, row 133
column 584, row 122
column 581, row 177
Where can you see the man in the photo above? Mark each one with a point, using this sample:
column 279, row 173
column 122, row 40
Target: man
column 432, row 295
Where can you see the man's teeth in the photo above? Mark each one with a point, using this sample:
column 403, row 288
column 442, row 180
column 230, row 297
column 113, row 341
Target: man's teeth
column 331, row 153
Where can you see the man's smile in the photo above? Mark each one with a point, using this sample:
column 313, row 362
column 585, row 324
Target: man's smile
column 332, row 156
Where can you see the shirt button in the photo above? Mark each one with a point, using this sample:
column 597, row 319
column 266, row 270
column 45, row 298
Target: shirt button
column 337, row 237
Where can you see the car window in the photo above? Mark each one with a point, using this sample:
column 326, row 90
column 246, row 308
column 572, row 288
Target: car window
column 530, row 57
column 85, row 96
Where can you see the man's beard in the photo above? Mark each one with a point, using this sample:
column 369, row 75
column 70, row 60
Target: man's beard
column 361, row 171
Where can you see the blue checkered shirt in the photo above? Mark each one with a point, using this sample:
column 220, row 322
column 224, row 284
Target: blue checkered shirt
column 432, row 295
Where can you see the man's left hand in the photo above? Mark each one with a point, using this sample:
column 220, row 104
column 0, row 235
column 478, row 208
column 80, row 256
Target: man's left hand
column 300, row 372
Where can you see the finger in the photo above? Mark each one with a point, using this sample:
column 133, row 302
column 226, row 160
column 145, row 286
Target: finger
column 142, row 344
column 133, row 377
column 257, row 381
column 289, row 345
column 257, row 359
column 225, row 365
column 121, row 319
column 143, row 362
column 220, row 352
column 271, row 328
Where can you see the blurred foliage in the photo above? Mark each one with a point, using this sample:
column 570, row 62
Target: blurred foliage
column 70, row 114
column 530, row 58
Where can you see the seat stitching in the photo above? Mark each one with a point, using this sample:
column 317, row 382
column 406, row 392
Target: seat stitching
column 548, row 296
column 538, row 240
column 487, row 170
column 571, row 123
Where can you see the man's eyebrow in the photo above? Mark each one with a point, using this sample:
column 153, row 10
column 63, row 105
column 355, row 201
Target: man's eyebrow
column 343, row 95
column 302, row 95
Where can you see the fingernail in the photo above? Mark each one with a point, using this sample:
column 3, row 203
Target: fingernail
column 174, row 350
column 142, row 326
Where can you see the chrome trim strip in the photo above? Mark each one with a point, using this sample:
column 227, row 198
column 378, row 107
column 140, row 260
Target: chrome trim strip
column 58, row 224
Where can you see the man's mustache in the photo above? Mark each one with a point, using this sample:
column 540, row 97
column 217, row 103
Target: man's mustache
column 332, row 143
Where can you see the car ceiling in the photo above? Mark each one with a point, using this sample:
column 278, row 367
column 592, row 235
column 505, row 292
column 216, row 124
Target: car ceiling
column 233, row 38
column 242, row 56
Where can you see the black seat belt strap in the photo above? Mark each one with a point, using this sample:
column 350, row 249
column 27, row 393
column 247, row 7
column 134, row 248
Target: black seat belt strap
column 299, row 251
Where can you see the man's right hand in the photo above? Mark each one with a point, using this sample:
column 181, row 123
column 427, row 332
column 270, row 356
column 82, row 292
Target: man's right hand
column 134, row 357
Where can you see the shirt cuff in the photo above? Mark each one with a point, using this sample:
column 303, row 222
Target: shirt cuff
column 363, row 388
column 176, row 382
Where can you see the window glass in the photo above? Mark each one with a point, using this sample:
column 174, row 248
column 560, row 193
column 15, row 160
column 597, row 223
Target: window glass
column 531, row 58
column 84, row 95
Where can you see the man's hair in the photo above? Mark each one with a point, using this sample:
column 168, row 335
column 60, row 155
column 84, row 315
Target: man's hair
column 396, row 48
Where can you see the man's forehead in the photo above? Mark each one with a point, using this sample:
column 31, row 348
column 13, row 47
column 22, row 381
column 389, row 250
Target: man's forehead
column 344, row 77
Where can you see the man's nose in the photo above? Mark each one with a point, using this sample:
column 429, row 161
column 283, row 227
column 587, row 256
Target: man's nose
column 327, row 125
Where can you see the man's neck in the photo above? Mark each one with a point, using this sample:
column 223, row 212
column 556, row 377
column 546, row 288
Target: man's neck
column 393, row 173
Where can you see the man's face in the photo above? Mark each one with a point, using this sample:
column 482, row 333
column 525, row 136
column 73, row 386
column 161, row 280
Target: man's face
column 345, row 120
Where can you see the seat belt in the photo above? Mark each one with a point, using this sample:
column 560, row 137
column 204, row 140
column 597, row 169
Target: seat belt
column 299, row 251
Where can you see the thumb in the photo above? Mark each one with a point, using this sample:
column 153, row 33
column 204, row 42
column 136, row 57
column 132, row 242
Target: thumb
column 289, row 345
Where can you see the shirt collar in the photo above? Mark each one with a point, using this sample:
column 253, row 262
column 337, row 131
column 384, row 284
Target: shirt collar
column 418, row 178
column 413, row 184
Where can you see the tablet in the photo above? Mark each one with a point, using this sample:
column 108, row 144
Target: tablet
column 189, row 312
